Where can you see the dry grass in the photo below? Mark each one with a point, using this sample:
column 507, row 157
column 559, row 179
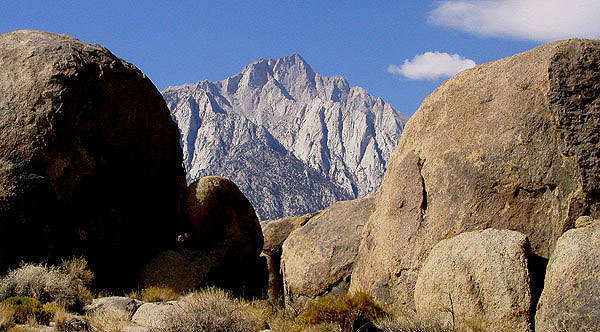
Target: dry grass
column 213, row 310
column 6, row 316
column 22, row 328
column 61, row 316
column 78, row 268
column 408, row 323
column 108, row 320
column 159, row 294
column 134, row 294
column 66, row 284
column 349, row 312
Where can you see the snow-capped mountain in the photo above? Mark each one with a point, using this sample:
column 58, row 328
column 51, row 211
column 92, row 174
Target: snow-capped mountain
column 293, row 140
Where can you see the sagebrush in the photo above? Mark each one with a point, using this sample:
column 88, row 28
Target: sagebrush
column 66, row 284
column 213, row 309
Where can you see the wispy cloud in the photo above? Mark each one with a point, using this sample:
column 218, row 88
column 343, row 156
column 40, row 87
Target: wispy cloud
column 536, row 20
column 431, row 65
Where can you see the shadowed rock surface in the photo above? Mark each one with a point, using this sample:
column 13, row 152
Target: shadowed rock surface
column 571, row 297
column 510, row 144
column 317, row 258
column 484, row 274
column 221, row 217
column 90, row 161
column 181, row 270
column 224, row 245
column 275, row 232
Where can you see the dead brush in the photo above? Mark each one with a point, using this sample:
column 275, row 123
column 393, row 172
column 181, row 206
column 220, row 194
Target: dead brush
column 213, row 309
column 108, row 320
column 66, row 284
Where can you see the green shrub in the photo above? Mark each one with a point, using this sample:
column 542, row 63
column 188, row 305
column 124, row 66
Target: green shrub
column 24, row 308
column 66, row 284
column 349, row 312
column 47, row 312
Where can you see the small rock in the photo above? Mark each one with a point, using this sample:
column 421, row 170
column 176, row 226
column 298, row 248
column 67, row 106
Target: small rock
column 114, row 302
column 586, row 221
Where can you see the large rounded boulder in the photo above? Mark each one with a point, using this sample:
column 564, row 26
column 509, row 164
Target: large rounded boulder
column 571, row 297
column 222, row 217
column 222, row 245
column 510, row 144
column 90, row 161
column 478, row 277
column 317, row 259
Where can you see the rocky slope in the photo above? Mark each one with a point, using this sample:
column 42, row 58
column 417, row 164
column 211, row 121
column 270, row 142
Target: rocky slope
column 294, row 141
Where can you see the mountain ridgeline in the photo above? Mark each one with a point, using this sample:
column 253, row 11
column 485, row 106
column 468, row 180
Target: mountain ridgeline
column 293, row 140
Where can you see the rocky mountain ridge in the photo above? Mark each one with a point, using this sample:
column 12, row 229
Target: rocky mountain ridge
column 294, row 141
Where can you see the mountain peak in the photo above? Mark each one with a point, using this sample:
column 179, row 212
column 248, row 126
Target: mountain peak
column 293, row 62
column 318, row 141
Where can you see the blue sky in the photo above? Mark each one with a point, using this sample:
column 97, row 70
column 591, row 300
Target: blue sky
column 368, row 42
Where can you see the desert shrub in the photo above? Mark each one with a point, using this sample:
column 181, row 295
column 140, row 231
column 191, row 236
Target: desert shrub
column 284, row 319
column 349, row 312
column 409, row 321
column 50, row 284
column 133, row 294
column 77, row 268
column 24, row 308
column 213, row 309
column 156, row 294
column 108, row 320
column 6, row 316
column 46, row 314
column 61, row 317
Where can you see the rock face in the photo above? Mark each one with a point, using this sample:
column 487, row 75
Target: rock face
column 181, row 270
column 76, row 123
column 293, row 140
column 485, row 274
column 317, row 258
column 510, row 144
column 571, row 297
column 224, row 245
column 275, row 232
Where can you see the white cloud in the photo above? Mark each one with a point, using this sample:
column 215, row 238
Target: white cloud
column 536, row 20
column 432, row 65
